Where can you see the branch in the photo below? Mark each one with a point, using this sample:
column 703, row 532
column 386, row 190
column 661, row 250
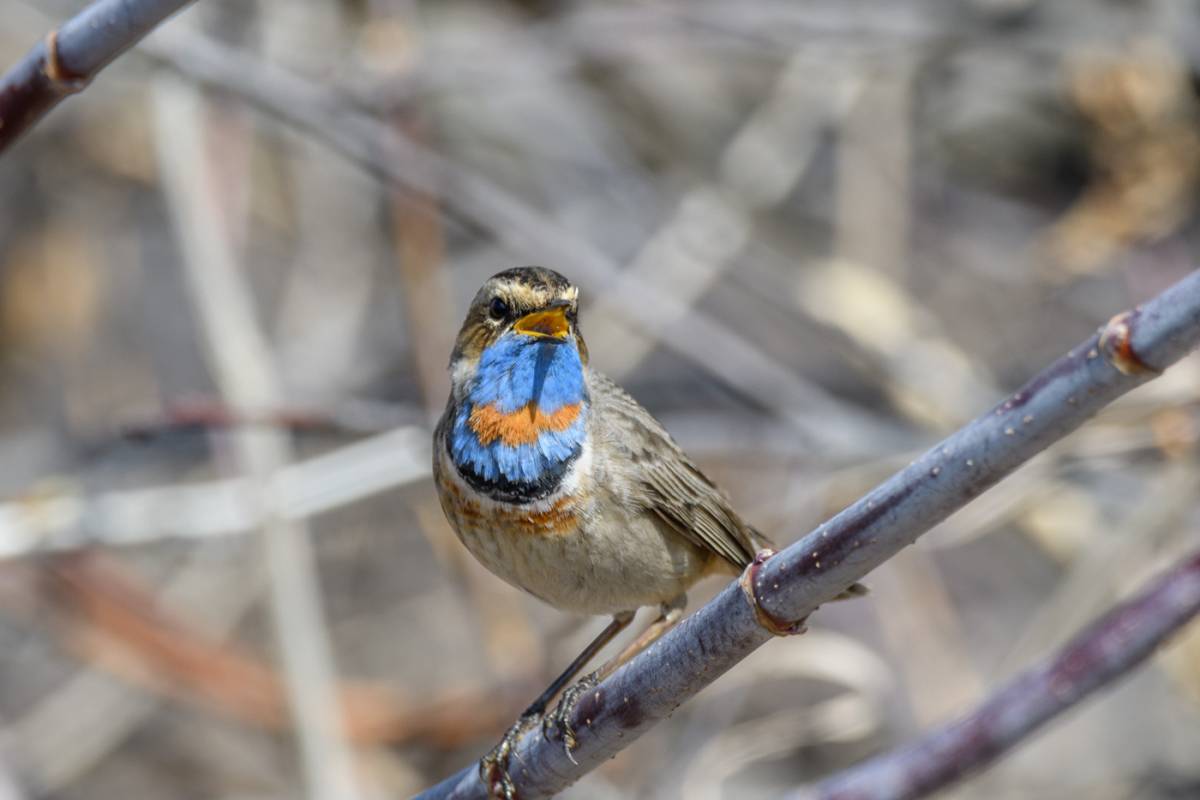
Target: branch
column 119, row 624
column 70, row 518
column 70, row 56
column 1130, row 350
column 244, row 369
column 1111, row 647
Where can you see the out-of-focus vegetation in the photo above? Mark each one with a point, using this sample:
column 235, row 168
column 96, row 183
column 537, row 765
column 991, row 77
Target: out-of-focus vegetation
column 905, row 208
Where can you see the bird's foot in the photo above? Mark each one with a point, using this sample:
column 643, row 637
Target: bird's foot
column 493, row 768
column 558, row 721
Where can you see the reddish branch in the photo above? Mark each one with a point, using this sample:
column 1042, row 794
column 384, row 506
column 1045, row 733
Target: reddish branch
column 116, row 622
column 202, row 414
column 1114, row 645
column 68, row 58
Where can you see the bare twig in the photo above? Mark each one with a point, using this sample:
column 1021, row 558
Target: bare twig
column 206, row 414
column 1108, row 649
column 714, row 222
column 70, row 518
column 89, row 714
column 121, row 625
column 245, row 370
column 783, row 590
column 12, row 782
column 117, row 621
column 1091, row 582
column 70, row 56
column 830, row 425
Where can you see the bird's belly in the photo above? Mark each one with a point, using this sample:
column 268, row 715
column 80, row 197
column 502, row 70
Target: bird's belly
column 572, row 554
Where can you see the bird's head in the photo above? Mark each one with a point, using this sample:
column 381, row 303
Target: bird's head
column 524, row 315
column 518, row 411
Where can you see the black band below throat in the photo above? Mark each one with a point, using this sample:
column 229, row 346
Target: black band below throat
column 503, row 490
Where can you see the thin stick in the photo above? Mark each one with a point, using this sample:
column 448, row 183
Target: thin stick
column 70, row 57
column 245, row 371
column 1111, row 647
column 74, row 518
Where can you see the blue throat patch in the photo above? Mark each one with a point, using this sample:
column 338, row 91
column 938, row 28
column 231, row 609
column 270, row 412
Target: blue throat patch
column 524, row 419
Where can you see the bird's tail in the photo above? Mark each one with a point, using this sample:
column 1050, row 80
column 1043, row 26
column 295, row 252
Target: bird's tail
column 852, row 591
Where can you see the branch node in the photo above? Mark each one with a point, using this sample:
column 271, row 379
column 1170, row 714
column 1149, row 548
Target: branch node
column 751, row 584
column 63, row 80
column 1116, row 342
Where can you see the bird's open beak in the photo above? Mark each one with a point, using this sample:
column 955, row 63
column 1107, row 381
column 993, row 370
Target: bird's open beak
column 549, row 324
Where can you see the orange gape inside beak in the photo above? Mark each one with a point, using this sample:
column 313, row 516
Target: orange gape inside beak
column 549, row 324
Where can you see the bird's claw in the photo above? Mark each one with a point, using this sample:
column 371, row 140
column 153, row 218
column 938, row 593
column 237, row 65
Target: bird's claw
column 493, row 768
column 558, row 721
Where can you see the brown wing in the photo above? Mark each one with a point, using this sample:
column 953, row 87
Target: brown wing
column 667, row 483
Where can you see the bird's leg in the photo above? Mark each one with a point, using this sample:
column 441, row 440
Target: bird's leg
column 560, row 719
column 493, row 768
column 669, row 615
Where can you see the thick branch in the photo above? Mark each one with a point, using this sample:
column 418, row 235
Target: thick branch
column 68, row 58
column 1110, row 648
column 1131, row 349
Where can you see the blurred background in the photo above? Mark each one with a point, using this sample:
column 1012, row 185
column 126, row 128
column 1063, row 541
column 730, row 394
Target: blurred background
column 812, row 238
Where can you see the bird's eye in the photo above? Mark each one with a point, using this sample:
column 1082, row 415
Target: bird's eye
column 498, row 309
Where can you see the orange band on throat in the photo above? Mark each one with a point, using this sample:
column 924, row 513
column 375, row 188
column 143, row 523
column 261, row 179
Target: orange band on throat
column 522, row 426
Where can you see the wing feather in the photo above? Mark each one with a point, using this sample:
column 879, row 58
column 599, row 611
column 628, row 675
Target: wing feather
column 667, row 484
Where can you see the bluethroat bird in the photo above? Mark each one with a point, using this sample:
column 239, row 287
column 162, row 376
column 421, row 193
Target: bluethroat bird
column 563, row 486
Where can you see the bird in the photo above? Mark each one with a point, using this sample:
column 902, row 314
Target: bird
column 564, row 486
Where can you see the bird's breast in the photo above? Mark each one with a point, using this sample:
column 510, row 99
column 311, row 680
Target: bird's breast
column 524, row 427
column 520, row 455
column 475, row 514
column 575, row 549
